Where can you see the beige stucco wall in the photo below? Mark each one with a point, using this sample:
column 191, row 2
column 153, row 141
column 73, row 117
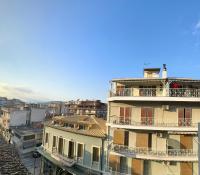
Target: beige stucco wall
column 196, row 115
column 87, row 141
column 160, row 114
column 161, row 168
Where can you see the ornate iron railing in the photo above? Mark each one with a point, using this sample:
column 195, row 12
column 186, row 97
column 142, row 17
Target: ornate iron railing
column 185, row 122
column 122, row 149
column 156, row 92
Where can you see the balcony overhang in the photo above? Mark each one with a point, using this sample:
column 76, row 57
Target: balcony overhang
column 155, row 128
column 154, row 99
column 158, row 158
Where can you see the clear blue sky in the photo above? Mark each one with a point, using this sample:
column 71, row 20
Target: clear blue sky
column 68, row 49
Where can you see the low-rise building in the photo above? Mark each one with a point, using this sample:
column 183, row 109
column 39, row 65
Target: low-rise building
column 23, row 116
column 26, row 139
column 75, row 145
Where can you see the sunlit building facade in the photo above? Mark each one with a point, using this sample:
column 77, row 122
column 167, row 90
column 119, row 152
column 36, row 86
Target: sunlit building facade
column 74, row 145
column 152, row 124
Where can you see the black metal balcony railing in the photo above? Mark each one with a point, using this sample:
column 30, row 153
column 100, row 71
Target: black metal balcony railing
column 156, row 92
column 185, row 122
column 122, row 149
column 184, row 92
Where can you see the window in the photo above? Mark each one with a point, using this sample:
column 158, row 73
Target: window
column 54, row 141
column 71, row 125
column 81, row 127
column 125, row 115
column 80, row 150
column 47, row 138
column 147, row 115
column 71, row 149
column 66, row 125
column 60, row 146
column 123, row 165
column 96, row 152
column 184, row 116
column 29, row 137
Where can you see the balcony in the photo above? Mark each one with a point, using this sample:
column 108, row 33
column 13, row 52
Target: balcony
column 118, row 173
column 156, row 94
column 148, row 154
column 80, row 160
column 62, row 158
column 95, row 165
column 183, row 125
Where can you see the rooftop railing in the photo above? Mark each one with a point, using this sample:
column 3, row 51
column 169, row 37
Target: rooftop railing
column 156, row 92
column 149, row 152
column 185, row 122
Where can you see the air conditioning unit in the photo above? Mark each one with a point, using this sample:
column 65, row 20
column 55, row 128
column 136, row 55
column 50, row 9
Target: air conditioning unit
column 166, row 107
column 161, row 135
column 166, row 163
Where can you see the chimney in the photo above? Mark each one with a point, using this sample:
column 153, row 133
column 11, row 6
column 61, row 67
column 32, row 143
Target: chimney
column 164, row 72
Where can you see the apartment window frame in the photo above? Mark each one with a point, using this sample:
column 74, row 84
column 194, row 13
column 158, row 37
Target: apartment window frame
column 184, row 120
column 54, row 143
column 81, row 127
column 99, row 154
column 83, row 152
column 125, row 114
column 61, row 153
column 74, row 147
column 29, row 137
column 46, row 137
column 146, row 120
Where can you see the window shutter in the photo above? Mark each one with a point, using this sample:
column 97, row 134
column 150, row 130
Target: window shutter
column 143, row 115
column 121, row 111
column 188, row 116
column 128, row 115
column 180, row 116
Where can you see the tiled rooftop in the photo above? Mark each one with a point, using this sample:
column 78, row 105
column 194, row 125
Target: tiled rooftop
column 96, row 126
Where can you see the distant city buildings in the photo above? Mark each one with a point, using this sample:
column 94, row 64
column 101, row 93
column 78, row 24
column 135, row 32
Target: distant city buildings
column 86, row 107
column 74, row 136
column 12, row 117
column 5, row 102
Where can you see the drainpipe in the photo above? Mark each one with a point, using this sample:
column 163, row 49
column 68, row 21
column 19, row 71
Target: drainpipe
column 102, row 155
column 199, row 147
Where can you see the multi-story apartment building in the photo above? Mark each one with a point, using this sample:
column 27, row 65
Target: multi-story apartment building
column 86, row 107
column 74, row 145
column 152, row 124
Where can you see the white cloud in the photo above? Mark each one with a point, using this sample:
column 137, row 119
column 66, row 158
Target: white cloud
column 198, row 25
column 23, row 93
column 196, row 30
